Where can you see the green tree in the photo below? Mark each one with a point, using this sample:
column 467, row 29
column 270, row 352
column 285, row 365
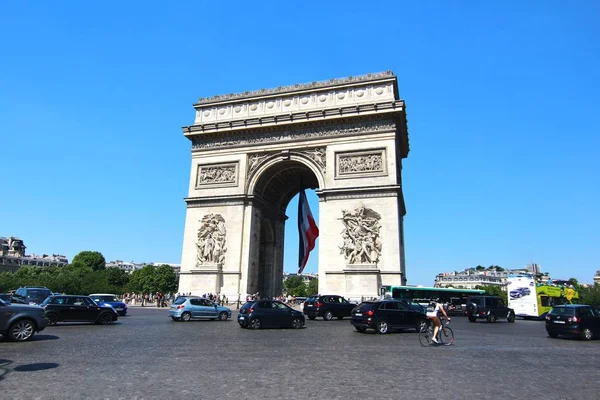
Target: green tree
column 491, row 290
column 116, row 276
column 589, row 295
column 92, row 259
column 142, row 280
column 294, row 286
column 574, row 282
column 313, row 287
column 165, row 279
column 480, row 268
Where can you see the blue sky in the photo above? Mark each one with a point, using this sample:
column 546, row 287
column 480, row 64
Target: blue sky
column 501, row 100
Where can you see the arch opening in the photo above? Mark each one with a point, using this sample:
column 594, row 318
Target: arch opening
column 274, row 189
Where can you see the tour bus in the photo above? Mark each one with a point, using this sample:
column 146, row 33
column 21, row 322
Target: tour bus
column 455, row 299
column 532, row 299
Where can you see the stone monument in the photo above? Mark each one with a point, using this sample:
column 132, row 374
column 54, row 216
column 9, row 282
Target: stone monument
column 252, row 152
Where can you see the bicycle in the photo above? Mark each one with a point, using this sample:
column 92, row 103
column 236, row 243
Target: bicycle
column 445, row 334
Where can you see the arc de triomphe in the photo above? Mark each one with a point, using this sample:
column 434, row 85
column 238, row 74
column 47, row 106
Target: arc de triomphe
column 252, row 152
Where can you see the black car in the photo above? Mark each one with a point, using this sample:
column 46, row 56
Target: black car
column 327, row 307
column 34, row 295
column 573, row 320
column 385, row 315
column 269, row 314
column 77, row 309
column 18, row 322
column 490, row 308
column 9, row 298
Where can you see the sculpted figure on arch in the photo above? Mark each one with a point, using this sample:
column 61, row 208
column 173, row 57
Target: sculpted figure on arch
column 211, row 247
column 361, row 240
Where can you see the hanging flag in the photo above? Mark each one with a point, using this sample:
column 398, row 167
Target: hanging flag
column 307, row 231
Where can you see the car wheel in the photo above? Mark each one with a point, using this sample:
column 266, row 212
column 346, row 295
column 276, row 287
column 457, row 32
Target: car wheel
column 297, row 323
column 328, row 316
column 472, row 319
column 21, row 331
column 587, row 334
column 553, row 335
column 312, row 318
column 360, row 329
column 175, row 318
column 255, row 323
column 105, row 319
column 186, row 316
column 223, row 316
column 491, row 318
column 511, row 317
column 382, row 326
column 52, row 319
column 422, row 326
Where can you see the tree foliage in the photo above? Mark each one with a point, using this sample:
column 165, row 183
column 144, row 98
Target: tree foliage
column 313, row 287
column 492, row 290
column 92, row 259
column 295, row 286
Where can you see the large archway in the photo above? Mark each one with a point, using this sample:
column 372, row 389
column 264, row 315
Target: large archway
column 276, row 182
column 253, row 152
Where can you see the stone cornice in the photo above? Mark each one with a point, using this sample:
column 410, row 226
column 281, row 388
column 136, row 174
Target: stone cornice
column 296, row 88
column 334, row 113
column 360, row 192
column 213, row 201
column 307, row 131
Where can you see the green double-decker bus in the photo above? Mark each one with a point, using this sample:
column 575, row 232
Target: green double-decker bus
column 454, row 299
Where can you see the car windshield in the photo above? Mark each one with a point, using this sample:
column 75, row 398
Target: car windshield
column 2, row 302
column 105, row 298
column 247, row 306
column 562, row 311
column 180, row 300
column 475, row 300
column 366, row 306
column 38, row 293
column 45, row 301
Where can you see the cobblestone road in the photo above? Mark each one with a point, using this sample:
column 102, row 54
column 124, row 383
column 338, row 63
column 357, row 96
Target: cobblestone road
column 148, row 356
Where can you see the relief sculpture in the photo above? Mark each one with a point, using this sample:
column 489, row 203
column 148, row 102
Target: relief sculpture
column 216, row 174
column 361, row 163
column 362, row 243
column 318, row 156
column 211, row 246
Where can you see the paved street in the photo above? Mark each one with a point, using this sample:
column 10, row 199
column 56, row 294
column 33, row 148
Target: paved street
column 147, row 356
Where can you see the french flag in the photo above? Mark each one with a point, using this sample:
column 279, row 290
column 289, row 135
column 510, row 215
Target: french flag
column 307, row 231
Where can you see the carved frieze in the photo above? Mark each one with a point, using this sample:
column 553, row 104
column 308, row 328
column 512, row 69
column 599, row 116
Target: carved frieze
column 211, row 246
column 363, row 163
column 217, row 175
column 298, row 134
column 318, row 156
column 361, row 241
column 255, row 159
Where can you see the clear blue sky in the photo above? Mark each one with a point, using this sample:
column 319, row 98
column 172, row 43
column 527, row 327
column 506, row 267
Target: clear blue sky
column 502, row 104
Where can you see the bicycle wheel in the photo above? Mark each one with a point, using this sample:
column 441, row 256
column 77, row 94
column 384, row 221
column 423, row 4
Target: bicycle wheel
column 446, row 335
column 425, row 337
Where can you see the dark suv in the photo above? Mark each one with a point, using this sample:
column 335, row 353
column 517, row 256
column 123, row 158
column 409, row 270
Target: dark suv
column 18, row 322
column 327, row 307
column 78, row 309
column 573, row 320
column 33, row 295
column 269, row 314
column 384, row 315
column 490, row 308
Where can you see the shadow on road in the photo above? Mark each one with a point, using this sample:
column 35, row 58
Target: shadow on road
column 4, row 367
column 35, row 338
column 35, row 367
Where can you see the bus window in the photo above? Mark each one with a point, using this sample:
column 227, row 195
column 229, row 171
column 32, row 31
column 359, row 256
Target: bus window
column 546, row 301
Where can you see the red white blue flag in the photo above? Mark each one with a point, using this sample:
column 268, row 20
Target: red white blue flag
column 307, row 231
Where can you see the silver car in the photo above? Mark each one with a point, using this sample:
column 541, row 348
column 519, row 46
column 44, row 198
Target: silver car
column 187, row 308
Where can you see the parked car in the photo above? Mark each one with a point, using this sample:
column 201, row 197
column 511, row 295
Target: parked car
column 111, row 300
column 490, row 308
column 63, row 308
column 187, row 308
column 269, row 314
column 573, row 320
column 385, row 315
column 18, row 322
column 33, row 295
column 9, row 298
column 327, row 307
column 519, row 292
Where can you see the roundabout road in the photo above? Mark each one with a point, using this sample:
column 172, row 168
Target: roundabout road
column 147, row 356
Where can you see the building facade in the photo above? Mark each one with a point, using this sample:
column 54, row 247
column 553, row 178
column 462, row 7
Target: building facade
column 470, row 278
column 13, row 257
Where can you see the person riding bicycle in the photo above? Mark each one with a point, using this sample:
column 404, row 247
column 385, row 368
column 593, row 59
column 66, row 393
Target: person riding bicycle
column 432, row 313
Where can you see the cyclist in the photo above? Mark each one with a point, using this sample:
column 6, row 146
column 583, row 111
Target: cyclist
column 432, row 313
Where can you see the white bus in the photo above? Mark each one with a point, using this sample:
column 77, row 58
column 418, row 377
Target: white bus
column 531, row 299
